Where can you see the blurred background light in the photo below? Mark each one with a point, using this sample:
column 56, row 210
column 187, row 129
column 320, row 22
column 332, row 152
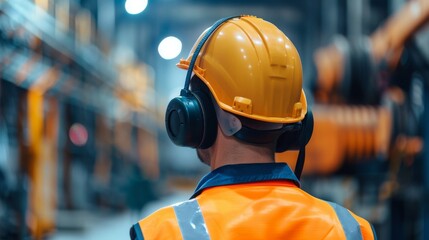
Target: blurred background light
column 78, row 134
column 170, row 47
column 135, row 6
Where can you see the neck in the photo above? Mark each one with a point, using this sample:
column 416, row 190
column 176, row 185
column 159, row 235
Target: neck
column 229, row 150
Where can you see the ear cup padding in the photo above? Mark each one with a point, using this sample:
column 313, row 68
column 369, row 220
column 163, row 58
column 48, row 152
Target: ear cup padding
column 209, row 132
column 298, row 137
column 307, row 129
column 289, row 139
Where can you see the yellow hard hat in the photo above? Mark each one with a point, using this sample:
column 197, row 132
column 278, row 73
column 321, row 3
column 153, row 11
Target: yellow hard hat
column 253, row 70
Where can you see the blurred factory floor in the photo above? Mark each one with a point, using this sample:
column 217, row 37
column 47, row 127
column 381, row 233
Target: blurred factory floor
column 109, row 226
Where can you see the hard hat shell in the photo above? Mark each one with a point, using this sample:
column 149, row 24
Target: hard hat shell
column 253, row 70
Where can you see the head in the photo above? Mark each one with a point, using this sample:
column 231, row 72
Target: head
column 247, row 82
column 225, row 142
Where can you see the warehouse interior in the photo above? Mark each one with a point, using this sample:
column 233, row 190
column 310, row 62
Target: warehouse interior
column 85, row 84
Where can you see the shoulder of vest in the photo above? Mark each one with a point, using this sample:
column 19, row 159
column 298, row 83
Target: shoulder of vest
column 368, row 231
column 161, row 224
column 167, row 212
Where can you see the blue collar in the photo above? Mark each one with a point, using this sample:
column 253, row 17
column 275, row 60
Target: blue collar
column 246, row 173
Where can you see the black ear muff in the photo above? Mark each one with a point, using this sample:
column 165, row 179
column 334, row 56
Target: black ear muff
column 307, row 129
column 191, row 120
column 183, row 121
column 297, row 137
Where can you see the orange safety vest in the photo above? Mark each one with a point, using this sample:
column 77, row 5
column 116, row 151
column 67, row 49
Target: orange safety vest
column 252, row 201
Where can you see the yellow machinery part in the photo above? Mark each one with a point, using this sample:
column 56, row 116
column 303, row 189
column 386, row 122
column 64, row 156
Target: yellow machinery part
column 41, row 159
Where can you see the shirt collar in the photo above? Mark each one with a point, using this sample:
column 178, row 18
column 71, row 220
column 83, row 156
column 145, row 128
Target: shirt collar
column 246, row 173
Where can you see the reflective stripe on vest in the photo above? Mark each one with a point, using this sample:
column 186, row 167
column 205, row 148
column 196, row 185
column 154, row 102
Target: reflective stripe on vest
column 192, row 224
column 350, row 225
column 191, row 221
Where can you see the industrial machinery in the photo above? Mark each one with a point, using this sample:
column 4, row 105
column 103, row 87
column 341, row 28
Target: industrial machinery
column 76, row 132
column 369, row 108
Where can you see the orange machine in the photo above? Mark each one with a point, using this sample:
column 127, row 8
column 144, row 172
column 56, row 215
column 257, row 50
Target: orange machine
column 385, row 46
column 343, row 133
column 358, row 132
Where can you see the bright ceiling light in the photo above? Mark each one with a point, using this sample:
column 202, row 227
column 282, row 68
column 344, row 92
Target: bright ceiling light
column 170, row 47
column 135, row 6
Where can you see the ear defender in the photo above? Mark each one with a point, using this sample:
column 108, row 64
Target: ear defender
column 183, row 121
column 191, row 120
column 296, row 138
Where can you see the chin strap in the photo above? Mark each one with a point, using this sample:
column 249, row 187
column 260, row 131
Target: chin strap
column 300, row 162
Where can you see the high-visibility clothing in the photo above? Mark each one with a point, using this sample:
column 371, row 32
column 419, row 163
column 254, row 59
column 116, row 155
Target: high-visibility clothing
column 252, row 201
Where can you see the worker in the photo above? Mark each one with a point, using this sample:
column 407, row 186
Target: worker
column 242, row 102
